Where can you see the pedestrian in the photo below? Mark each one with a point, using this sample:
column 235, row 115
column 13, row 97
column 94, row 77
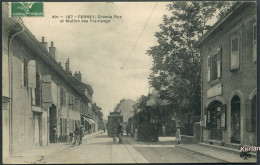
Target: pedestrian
column 120, row 132
column 163, row 130
column 81, row 134
column 54, row 129
column 76, row 132
column 178, row 136
column 104, row 128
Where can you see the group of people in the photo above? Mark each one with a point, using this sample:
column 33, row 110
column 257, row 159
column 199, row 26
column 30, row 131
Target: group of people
column 78, row 134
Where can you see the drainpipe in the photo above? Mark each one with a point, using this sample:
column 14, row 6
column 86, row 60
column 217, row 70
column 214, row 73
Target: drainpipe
column 201, row 93
column 12, row 34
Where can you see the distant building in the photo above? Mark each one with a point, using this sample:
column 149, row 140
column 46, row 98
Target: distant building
column 229, row 78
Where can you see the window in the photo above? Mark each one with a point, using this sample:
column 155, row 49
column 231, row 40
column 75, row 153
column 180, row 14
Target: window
column 234, row 53
column 24, row 73
column 214, row 66
column 254, row 42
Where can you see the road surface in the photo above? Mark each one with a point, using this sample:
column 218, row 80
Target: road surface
column 101, row 149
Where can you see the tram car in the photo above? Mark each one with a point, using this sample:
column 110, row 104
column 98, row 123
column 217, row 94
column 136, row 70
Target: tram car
column 114, row 119
column 132, row 125
column 147, row 128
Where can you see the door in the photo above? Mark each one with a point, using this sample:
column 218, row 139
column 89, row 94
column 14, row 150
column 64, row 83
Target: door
column 53, row 120
column 36, row 129
column 235, row 120
column 216, row 132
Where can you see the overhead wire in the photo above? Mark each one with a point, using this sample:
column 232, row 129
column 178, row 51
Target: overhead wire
column 139, row 36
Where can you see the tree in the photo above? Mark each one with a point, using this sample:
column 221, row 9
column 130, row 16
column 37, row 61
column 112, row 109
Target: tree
column 176, row 68
column 141, row 103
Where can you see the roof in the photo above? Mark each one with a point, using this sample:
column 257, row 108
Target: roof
column 232, row 12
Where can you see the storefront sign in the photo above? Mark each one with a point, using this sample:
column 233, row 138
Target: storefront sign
column 214, row 91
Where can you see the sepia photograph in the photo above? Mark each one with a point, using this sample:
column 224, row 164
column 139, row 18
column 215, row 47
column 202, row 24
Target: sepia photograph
column 129, row 82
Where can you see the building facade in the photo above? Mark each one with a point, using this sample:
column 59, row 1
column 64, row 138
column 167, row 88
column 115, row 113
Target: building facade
column 37, row 92
column 229, row 78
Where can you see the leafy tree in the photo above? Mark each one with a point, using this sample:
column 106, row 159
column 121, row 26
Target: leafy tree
column 176, row 68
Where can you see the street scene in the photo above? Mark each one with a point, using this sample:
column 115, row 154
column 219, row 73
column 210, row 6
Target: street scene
column 129, row 82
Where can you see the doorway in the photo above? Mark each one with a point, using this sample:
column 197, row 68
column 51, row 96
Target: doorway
column 37, row 129
column 235, row 120
column 53, row 120
column 215, row 120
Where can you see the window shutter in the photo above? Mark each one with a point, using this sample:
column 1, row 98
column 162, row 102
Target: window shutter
column 33, row 97
column 254, row 42
column 235, row 53
column 223, row 116
column 22, row 73
column 248, row 115
column 61, row 95
column 32, row 74
column 64, row 98
column 219, row 64
column 46, row 89
column 207, row 113
column 209, row 66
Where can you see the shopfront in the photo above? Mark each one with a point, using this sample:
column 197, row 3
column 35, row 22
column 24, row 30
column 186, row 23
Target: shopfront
column 216, row 119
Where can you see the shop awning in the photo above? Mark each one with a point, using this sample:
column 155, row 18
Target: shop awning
column 90, row 121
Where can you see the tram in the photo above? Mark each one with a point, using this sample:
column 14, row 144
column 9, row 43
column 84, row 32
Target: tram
column 114, row 119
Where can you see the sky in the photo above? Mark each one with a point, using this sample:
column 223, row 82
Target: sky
column 104, row 53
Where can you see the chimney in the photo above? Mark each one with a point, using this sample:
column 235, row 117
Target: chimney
column 52, row 50
column 67, row 67
column 44, row 44
column 77, row 75
column 60, row 64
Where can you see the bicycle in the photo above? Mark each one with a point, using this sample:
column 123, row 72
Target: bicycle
column 115, row 139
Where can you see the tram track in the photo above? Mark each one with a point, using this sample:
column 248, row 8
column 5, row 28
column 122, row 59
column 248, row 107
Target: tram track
column 126, row 149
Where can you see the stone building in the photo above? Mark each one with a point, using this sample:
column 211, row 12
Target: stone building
column 36, row 91
column 229, row 78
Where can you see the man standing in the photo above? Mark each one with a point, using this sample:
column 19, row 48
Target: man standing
column 54, row 129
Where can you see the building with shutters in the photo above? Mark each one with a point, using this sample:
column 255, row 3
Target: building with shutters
column 229, row 78
column 37, row 92
column 97, row 116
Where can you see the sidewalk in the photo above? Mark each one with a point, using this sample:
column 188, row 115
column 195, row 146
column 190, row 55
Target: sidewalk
column 215, row 153
column 40, row 153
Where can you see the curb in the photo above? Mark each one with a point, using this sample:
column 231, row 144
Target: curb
column 220, row 148
column 50, row 155
column 224, row 161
